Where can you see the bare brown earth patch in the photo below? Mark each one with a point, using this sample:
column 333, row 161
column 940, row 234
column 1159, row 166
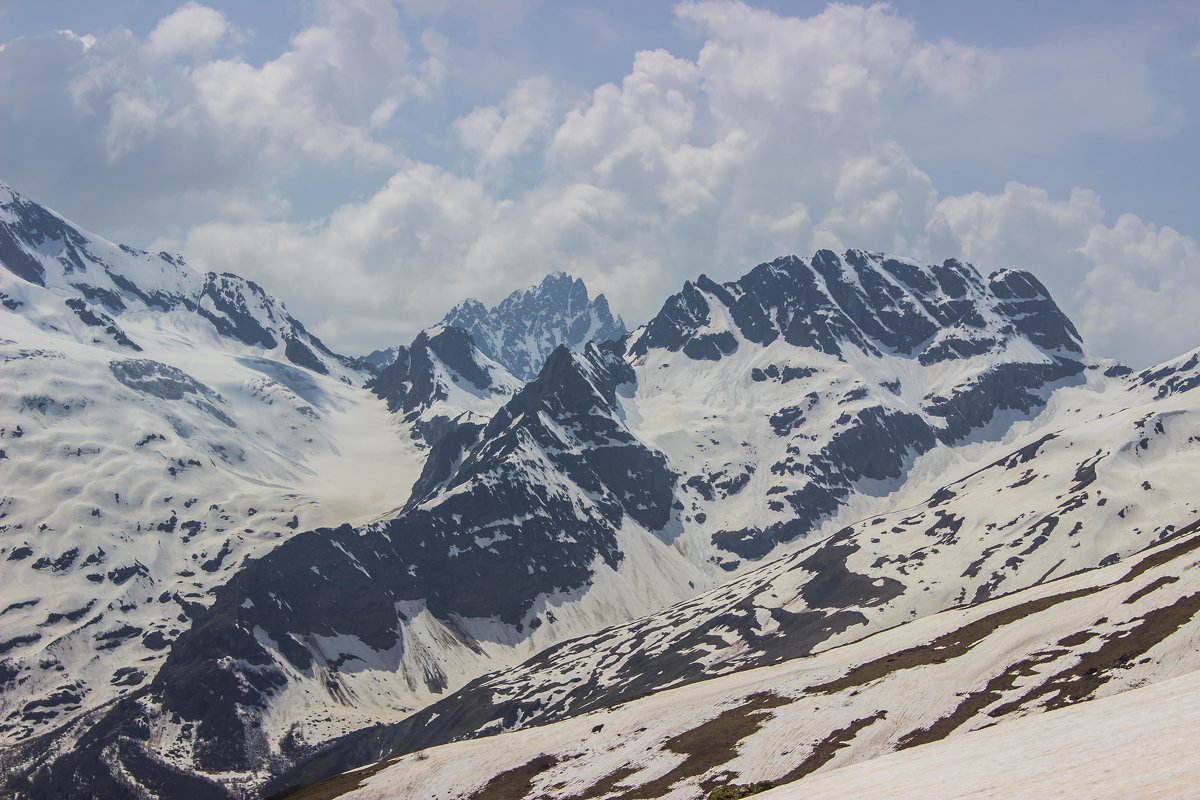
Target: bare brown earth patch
column 709, row 745
column 1072, row 685
column 827, row 748
column 975, row 702
column 949, row 645
column 515, row 783
column 338, row 785
column 1157, row 583
column 606, row 785
column 961, row 640
column 1119, row 650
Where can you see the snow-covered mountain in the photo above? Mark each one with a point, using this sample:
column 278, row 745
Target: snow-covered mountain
column 523, row 329
column 742, row 419
column 376, row 360
column 158, row 426
column 1066, row 552
column 76, row 282
column 230, row 565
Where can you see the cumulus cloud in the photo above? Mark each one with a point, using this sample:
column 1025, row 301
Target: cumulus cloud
column 194, row 29
column 180, row 113
column 1141, row 294
column 778, row 135
column 881, row 197
column 1022, row 226
column 1131, row 287
column 498, row 133
column 954, row 71
column 767, row 142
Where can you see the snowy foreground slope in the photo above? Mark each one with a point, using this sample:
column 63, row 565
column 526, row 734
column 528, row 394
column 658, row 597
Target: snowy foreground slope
column 1093, row 634
column 1137, row 744
column 1104, row 473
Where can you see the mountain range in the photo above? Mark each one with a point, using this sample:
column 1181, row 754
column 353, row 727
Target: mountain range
column 236, row 562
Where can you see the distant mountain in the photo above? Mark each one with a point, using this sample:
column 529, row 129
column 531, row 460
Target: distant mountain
column 523, row 329
column 742, row 419
column 376, row 360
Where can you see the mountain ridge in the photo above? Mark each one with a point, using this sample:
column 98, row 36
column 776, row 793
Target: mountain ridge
column 525, row 521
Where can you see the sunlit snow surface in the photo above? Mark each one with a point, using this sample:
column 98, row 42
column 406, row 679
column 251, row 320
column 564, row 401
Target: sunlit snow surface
column 1138, row 744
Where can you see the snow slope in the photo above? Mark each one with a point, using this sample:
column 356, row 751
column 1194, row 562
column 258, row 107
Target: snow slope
column 1136, row 744
column 1094, row 634
column 158, row 427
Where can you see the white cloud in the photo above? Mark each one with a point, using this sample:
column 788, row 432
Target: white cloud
column 1020, row 227
column 1142, row 292
column 131, row 121
column 380, row 263
column 781, row 134
column 498, row 133
column 882, row 198
column 954, row 71
column 163, row 117
column 757, row 63
column 1131, row 288
column 192, row 29
column 773, row 140
column 683, row 167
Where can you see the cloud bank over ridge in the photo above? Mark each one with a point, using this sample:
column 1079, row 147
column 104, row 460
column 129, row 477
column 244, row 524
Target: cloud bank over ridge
column 778, row 134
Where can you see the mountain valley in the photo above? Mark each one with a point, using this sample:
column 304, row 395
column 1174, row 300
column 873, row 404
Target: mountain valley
column 838, row 507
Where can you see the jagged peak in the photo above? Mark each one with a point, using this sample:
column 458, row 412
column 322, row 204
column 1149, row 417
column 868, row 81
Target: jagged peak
column 874, row 301
column 441, row 358
column 559, row 277
column 521, row 331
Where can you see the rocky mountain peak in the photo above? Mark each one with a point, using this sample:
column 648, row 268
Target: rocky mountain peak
column 523, row 329
column 439, row 377
column 876, row 303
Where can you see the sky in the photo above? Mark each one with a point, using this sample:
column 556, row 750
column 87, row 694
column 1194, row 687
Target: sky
column 374, row 162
